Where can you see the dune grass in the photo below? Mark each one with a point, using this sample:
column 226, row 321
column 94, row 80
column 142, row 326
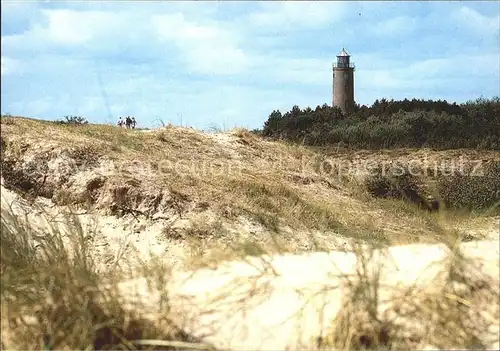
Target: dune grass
column 53, row 297
column 448, row 314
column 277, row 184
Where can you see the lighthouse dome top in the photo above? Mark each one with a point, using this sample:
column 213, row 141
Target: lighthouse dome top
column 343, row 53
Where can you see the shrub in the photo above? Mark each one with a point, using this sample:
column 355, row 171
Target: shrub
column 472, row 191
column 73, row 120
column 397, row 182
column 392, row 124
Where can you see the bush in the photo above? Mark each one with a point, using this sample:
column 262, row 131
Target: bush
column 472, row 191
column 73, row 120
column 393, row 124
column 397, row 182
column 393, row 182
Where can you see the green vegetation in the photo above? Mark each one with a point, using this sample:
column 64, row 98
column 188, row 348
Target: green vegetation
column 73, row 120
column 472, row 191
column 393, row 124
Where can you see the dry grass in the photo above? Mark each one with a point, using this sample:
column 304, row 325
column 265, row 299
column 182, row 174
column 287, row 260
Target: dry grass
column 53, row 297
column 449, row 313
column 277, row 184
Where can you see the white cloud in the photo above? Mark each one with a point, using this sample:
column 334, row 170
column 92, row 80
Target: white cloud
column 379, row 80
column 74, row 27
column 298, row 14
column 67, row 27
column 9, row 65
column 394, row 27
column 441, row 78
column 306, row 71
column 207, row 48
column 469, row 66
column 79, row 27
column 89, row 34
column 477, row 23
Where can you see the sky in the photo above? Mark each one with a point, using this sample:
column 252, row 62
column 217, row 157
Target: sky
column 225, row 64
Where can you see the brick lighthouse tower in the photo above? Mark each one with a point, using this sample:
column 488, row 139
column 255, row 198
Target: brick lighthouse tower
column 343, row 82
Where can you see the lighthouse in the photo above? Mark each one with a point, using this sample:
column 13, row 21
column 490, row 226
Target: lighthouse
column 343, row 82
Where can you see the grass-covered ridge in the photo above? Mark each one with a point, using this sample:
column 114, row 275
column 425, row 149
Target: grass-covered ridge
column 174, row 170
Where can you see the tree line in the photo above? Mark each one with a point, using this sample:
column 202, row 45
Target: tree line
column 391, row 124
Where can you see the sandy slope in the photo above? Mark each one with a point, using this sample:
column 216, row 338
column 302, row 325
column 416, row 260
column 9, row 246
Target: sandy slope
column 284, row 301
column 288, row 302
column 113, row 239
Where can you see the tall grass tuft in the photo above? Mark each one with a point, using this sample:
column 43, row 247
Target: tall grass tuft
column 53, row 296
